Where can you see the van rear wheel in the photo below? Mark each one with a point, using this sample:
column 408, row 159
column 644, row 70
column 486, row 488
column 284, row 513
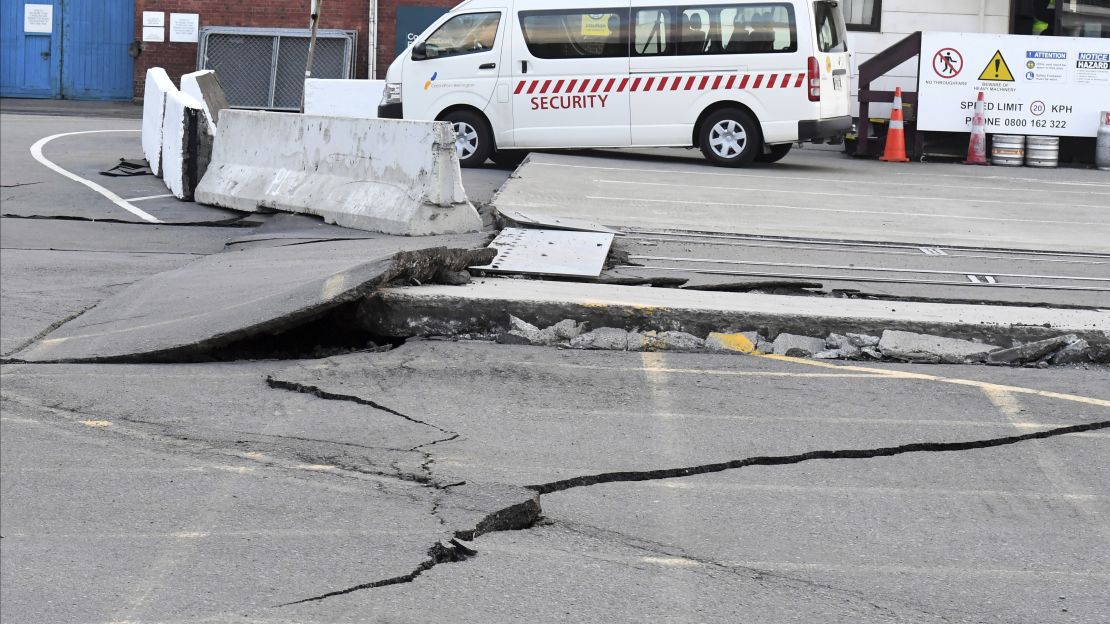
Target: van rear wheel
column 473, row 138
column 774, row 154
column 730, row 137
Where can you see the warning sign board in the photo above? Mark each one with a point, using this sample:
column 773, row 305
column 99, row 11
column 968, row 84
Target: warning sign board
column 997, row 69
column 1047, row 86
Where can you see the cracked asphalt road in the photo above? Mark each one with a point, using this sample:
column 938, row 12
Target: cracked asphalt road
column 394, row 486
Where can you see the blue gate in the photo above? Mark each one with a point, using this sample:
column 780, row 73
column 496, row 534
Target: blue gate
column 82, row 57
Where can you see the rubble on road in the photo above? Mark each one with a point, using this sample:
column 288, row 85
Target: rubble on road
column 926, row 349
column 892, row 346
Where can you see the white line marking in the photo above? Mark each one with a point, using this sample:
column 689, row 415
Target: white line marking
column 808, row 209
column 36, row 153
column 841, row 180
column 853, row 195
column 974, row 279
column 135, row 199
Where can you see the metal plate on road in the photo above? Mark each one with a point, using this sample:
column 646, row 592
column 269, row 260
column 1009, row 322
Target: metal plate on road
column 549, row 252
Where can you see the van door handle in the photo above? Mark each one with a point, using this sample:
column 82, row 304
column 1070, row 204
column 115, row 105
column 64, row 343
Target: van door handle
column 524, row 67
column 487, row 66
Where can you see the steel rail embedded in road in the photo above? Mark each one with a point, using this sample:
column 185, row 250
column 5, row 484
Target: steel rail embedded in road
column 856, row 278
column 865, row 268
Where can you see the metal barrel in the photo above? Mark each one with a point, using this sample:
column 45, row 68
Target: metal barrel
column 1102, row 147
column 1042, row 151
column 1007, row 150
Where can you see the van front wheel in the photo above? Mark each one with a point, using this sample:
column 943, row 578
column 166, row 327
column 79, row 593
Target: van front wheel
column 473, row 138
column 730, row 138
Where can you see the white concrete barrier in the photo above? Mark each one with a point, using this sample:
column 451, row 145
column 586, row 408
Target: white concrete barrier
column 186, row 143
column 158, row 84
column 380, row 175
column 205, row 87
column 343, row 98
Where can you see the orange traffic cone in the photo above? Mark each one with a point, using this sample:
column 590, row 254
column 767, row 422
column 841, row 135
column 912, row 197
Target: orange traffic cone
column 896, row 134
column 977, row 147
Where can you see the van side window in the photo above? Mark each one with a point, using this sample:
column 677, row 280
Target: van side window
column 653, row 33
column 464, row 34
column 764, row 28
column 576, row 33
column 830, row 29
column 694, row 31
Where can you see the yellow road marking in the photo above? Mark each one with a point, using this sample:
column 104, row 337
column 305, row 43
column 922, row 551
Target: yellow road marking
column 96, row 423
column 1005, row 402
column 895, row 374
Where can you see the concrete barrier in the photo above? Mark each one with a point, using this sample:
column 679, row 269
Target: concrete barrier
column 343, row 98
column 186, row 143
column 158, row 84
column 205, row 87
column 381, row 175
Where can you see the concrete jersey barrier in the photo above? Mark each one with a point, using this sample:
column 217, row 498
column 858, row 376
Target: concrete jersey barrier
column 158, row 84
column 186, row 143
column 390, row 176
column 205, row 87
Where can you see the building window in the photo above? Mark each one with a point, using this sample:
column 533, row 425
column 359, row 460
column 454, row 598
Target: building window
column 862, row 14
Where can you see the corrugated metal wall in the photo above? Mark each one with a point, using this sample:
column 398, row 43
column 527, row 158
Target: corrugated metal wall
column 95, row 64
column 84, row 57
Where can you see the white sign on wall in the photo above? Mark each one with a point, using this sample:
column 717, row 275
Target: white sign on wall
column 1050, row 86
column 184, row 27
column 38, row 18
column 154, row 34
column 154, row 18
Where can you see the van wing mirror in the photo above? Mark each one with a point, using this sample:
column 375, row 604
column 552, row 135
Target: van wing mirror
column 420, row 51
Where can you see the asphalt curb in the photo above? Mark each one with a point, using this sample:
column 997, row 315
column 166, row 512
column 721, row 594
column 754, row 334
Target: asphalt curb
column 484, row 306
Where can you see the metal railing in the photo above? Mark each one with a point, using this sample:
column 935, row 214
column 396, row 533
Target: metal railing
column 263, row 68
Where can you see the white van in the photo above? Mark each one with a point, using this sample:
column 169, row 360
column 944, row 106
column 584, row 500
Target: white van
column 741, row 80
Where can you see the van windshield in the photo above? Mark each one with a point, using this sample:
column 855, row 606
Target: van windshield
column 831, row 34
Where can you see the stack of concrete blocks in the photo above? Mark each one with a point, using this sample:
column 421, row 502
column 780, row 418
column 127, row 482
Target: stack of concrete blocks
column 179, row 127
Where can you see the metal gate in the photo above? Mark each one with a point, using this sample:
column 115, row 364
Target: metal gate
column 263, row 68
column 71, row 49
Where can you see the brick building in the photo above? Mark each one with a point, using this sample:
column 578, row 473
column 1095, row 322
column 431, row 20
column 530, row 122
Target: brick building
column 356, row 15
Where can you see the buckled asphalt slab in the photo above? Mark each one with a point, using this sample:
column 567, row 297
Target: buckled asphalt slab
column 484, row 306
column 235, row 295
column 822, row 195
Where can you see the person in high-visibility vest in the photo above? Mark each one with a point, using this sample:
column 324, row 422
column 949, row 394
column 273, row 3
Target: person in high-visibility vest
column 1044, row 17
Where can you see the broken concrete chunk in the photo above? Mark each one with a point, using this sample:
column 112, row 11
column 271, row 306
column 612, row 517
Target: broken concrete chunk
column 925, row 349
column 675, row 341
column 798, row 346
column 829, row 354
column 863, row 340
column 603, row 339
column 872, row 352
column 1074, row 353
column 836, row 341
column 453, row 278
column 516, row 324
column 745, row 342
column 568, row 329
column 1099, row 353
column 1031, row 352
column 637, row 341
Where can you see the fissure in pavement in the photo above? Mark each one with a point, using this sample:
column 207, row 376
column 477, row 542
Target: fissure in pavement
column 524, row 515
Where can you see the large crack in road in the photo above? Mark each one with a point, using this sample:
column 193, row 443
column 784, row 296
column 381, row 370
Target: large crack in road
column 524, row 515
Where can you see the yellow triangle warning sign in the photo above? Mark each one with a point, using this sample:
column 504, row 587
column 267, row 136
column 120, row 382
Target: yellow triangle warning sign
column 997, row 69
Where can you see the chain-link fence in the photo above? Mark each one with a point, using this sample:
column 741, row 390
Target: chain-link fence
column 264, row 67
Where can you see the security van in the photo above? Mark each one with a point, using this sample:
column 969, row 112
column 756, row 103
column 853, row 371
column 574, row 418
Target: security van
column 742, row 81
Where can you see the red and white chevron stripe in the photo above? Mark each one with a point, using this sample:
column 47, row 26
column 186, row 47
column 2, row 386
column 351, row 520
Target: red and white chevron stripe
column 640, row 84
